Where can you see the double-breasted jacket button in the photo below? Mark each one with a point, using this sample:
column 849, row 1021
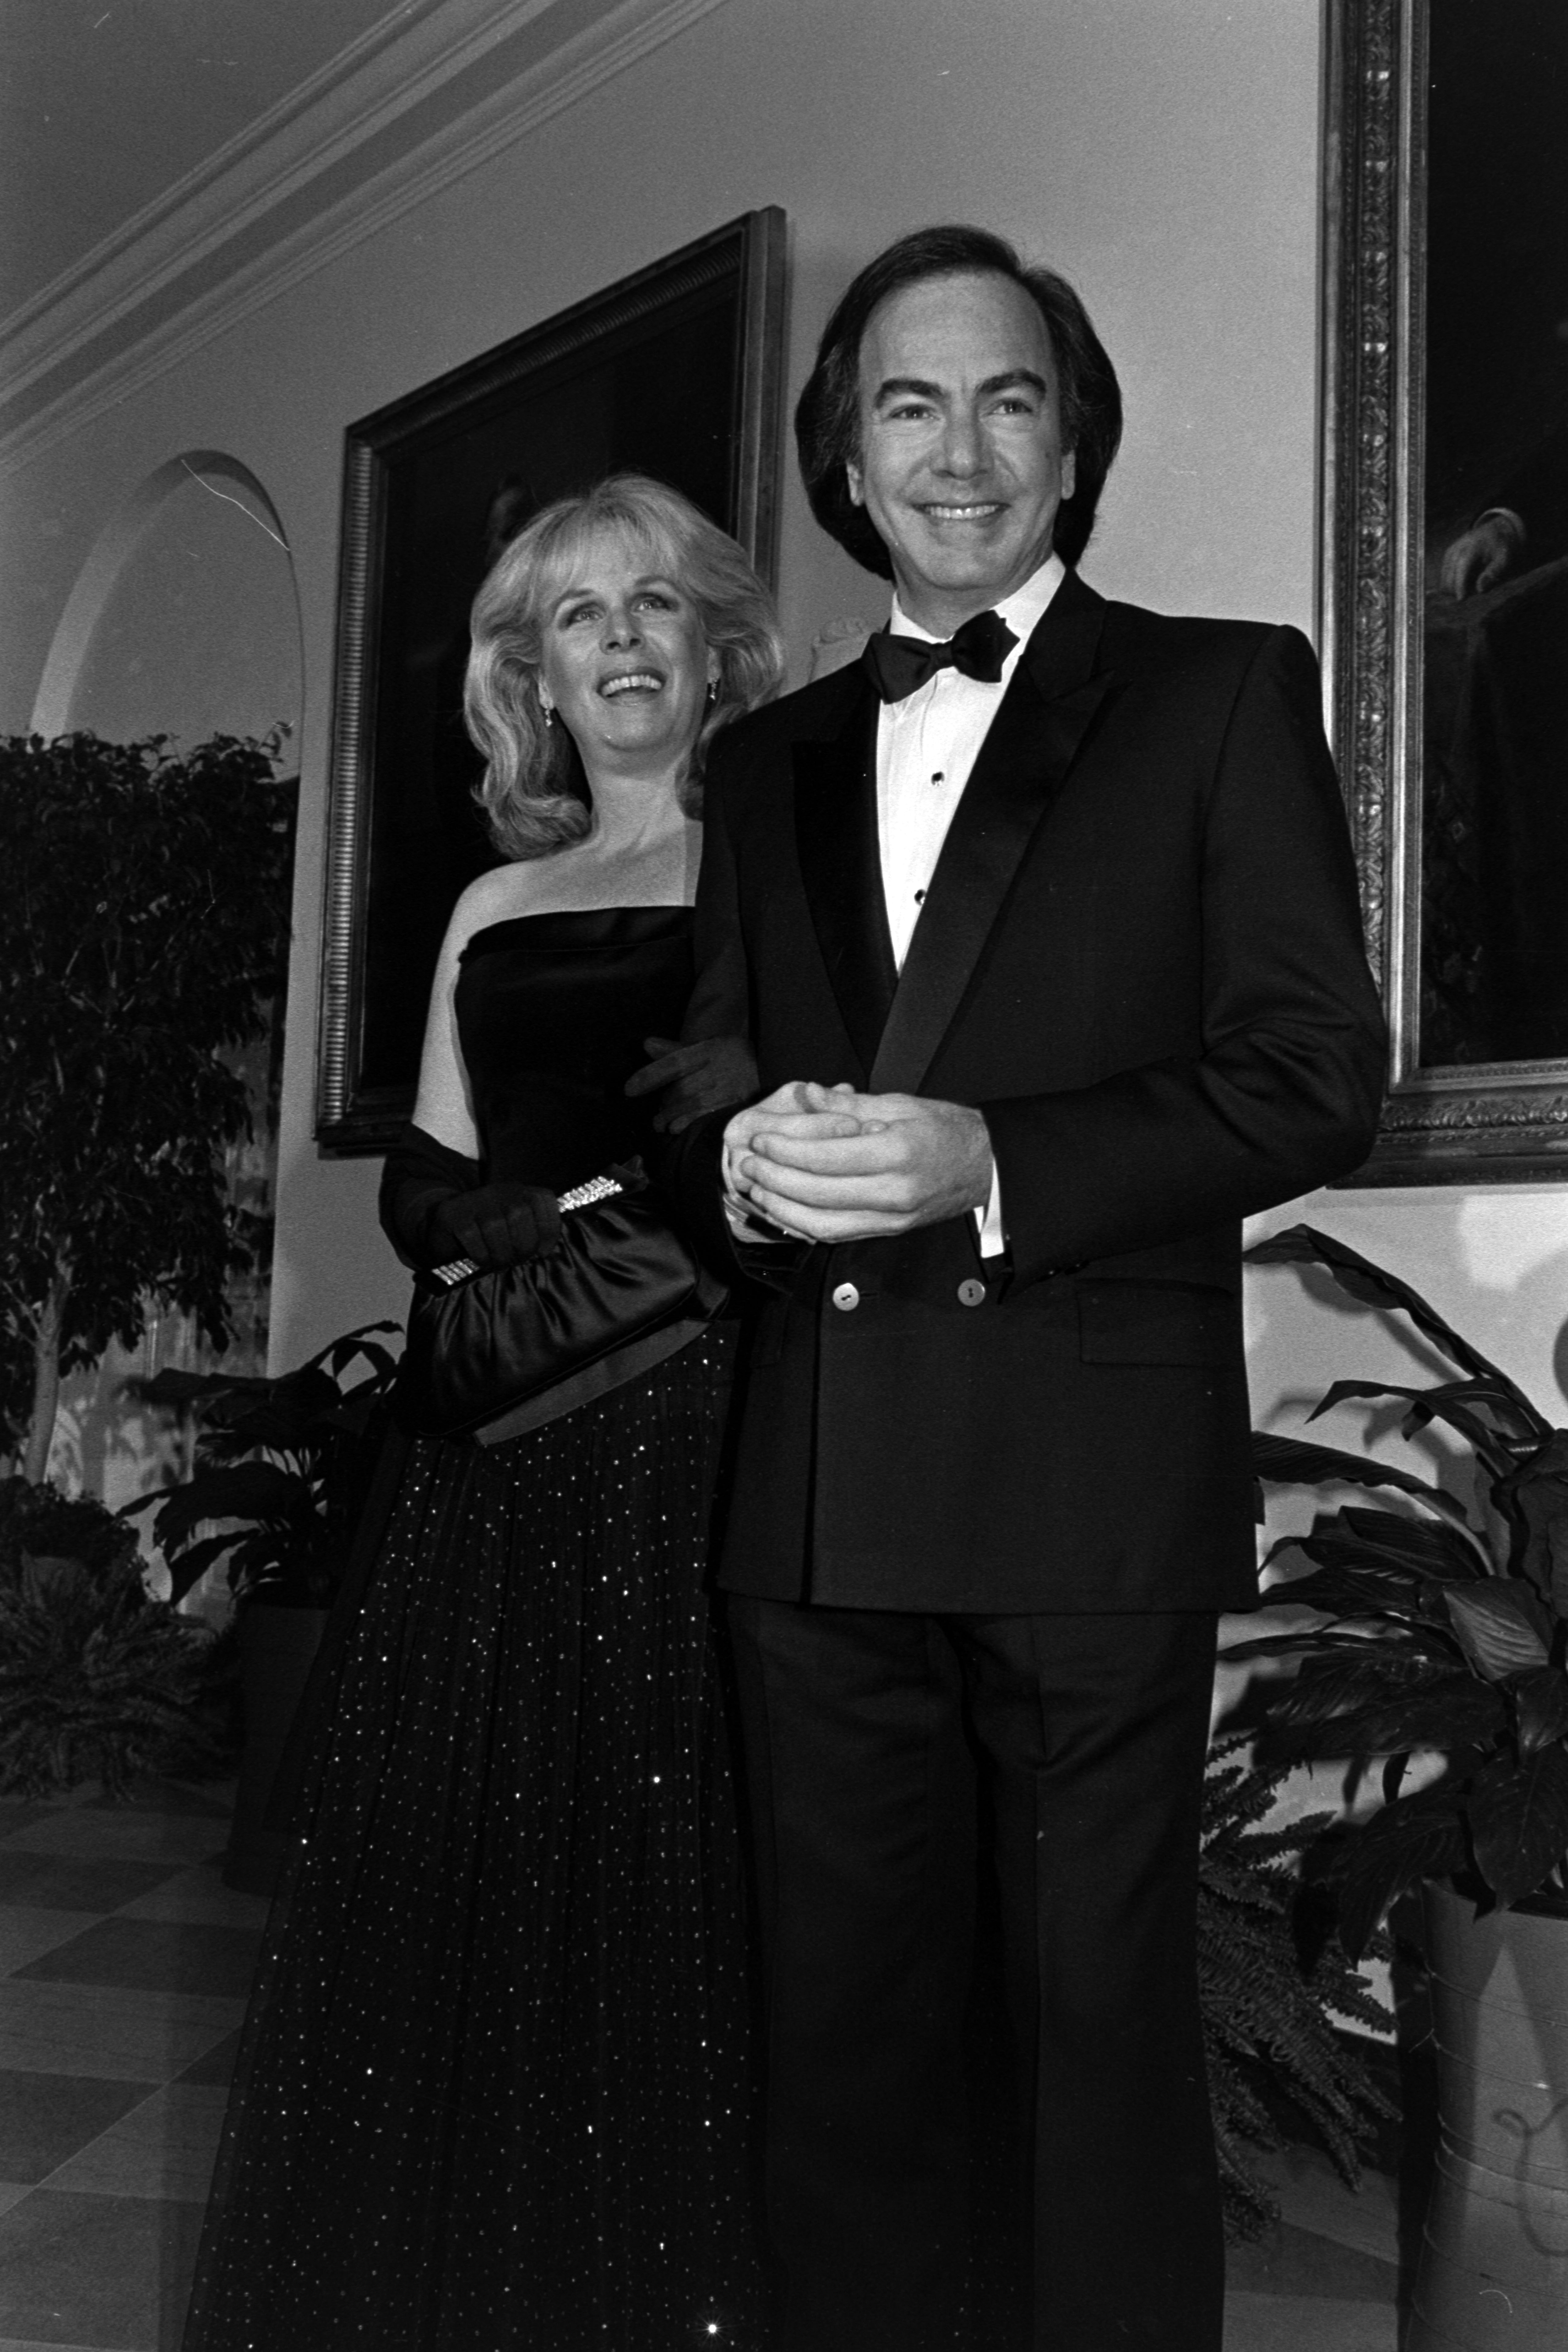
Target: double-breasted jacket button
column 972, row 1293
column 845, row 1295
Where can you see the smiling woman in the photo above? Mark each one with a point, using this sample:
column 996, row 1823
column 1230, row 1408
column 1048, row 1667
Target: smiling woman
column 498, row 2083
column 673, row 374
column 631, row 581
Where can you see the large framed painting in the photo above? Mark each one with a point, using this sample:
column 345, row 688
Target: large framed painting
column 675, row 372
column 1446, row 573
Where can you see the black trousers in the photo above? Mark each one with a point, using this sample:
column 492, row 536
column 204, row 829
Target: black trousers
column 870, row 1739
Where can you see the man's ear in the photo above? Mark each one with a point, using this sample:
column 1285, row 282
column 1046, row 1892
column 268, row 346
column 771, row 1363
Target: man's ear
column 1069, row 473
column 856, row 481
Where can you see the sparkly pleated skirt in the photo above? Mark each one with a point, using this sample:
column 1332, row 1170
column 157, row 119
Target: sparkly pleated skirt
column 497, row 2083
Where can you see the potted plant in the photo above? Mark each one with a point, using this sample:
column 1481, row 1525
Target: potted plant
column 96, row 1679
column 1272, row 1984
column 1439, row 1629
column 143, row 939
column 281, row 1470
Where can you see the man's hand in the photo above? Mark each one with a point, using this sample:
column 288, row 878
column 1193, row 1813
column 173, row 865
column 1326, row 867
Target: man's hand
column 831, row 1165
column 801, row 1107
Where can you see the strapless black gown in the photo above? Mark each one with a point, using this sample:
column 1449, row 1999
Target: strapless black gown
column 497, row 2083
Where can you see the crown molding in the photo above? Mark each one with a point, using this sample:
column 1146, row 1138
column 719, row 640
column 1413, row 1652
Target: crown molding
column 386, row 71
column 304, row 183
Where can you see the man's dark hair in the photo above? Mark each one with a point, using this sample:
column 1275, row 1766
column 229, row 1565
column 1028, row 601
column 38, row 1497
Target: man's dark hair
column 828, row 419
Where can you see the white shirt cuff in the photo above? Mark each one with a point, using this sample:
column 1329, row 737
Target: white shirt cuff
column 742, row 1226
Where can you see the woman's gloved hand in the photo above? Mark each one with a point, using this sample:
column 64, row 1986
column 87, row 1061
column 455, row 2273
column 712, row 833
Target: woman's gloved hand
column 713, row 1074
column 496, row 1224
column 434, row 1207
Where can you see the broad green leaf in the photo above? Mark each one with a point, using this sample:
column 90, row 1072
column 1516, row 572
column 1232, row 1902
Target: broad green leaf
column 1399, row 1583
column 1541, row 1700
column 248, row 1490
column 188, row 1564
column 1431, row 1549
column 1353, row 1590
column 339, row 1354
column 1519, row 1821
column 1310, row 1643
column 1304, row 1245
column 1416, row 1837
column 1449, row 1405
column 1536, row 1493
column 1361, row 1590
column 1295, row 1461
column 1498, row 1626
column 1383, row 1669
column 1557, row 1557
column 173, row 1387
column 1456, row 1713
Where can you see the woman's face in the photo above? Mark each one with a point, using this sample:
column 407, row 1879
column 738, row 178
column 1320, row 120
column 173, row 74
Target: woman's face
column 624, row 660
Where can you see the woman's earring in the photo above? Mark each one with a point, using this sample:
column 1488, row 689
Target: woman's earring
column 549, row 710
column 712, row 689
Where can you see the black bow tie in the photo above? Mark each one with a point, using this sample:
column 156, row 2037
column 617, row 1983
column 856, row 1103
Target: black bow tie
column 897, row 665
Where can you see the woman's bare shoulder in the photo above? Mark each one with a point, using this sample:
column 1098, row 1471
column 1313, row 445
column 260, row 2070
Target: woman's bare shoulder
column 493, row 898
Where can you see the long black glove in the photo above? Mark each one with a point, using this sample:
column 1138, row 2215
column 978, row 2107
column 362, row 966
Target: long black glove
column 713, row 1074
column 434, row 1208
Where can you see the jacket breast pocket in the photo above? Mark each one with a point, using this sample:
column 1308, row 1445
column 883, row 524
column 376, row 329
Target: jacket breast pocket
column 1158, row 1323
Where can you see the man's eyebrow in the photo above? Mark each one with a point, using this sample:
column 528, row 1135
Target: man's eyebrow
column 901, row 387
column 1013, row 377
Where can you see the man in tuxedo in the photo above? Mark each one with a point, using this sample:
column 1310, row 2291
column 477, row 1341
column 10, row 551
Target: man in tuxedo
column 1042, row 921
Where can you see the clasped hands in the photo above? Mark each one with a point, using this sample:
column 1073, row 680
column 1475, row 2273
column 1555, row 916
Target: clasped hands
column 827, row 1164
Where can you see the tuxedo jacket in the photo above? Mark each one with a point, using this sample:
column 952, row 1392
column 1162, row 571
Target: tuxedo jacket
column 1140, row 956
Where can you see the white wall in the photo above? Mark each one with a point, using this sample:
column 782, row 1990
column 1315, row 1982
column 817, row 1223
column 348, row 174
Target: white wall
column 1163, row 152
column 197, row 630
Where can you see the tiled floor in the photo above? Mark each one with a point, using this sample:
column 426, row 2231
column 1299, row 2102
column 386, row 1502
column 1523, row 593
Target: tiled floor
column 123, row 1968
column 124, row 1964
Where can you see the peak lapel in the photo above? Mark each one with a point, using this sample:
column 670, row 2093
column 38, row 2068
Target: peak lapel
column 1022, row 766
column 841, row 868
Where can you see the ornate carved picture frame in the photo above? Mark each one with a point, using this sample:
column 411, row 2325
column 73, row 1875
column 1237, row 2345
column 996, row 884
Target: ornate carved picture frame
column 1445, row 587
column 673, row 371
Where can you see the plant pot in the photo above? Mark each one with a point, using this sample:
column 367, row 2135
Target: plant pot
column 276, row 1650
column 1493, row 2273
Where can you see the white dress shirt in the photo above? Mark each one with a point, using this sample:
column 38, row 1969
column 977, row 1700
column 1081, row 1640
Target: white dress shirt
column 927, row 745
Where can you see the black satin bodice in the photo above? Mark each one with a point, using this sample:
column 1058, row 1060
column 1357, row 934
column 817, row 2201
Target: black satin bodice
column 552, row 1010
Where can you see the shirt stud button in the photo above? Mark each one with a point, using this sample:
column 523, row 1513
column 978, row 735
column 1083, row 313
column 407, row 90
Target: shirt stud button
column 845, row 1295
column 972, row 1293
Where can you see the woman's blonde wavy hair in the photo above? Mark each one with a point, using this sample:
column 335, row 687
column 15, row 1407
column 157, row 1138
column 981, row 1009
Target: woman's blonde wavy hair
column 532, row 793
